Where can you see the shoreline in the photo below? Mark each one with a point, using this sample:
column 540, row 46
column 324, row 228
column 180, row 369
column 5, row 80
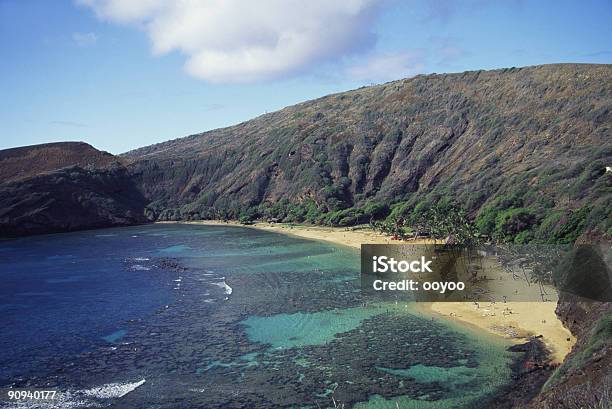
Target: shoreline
column 337, row 235
column 527, row 319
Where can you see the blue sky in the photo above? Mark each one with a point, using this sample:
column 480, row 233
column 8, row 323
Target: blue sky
column 121, row 74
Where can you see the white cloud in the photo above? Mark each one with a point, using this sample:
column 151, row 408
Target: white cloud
column 390, row 66
column 84, row 39
column 243, row 40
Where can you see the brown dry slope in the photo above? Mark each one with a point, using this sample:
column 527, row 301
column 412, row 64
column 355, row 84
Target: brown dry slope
column 27, row 161
column 539, row 135
column 62, row 187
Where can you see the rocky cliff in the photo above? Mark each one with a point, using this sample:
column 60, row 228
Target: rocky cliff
column 584, row 380
column 523, row 150
column 27, row 161
column 529, row 144
column 62, row 187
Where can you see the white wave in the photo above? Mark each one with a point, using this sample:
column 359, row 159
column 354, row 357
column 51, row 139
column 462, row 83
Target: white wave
column 141, row 259
column 178, row 280
column 209, row 300
column 87, row 398
column 113, row 390
column 138, row 267
column 223, row 284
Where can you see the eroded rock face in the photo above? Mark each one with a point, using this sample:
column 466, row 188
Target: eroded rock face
column 473, row 136
column 584, row 380
column 542, row 133
column 70, row 199
column 28, row 161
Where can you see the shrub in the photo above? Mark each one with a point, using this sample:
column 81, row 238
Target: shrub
column 485, row 222
column 487, row 217
column 509, row 223
column 375, row 210
column 248, row 215
column 548, row 226
column 398, row 210
column 524, row 237
column 572, row 226
column 587, row 178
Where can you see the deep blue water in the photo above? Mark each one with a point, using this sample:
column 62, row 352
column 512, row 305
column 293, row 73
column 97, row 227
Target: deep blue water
column 63, row 293
column 223, row 316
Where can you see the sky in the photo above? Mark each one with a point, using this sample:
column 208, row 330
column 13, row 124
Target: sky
column 121, row 74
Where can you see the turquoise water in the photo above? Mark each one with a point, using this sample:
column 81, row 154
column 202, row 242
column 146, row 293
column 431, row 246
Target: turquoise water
column 300, row 329
column 223, row 316
column 466, row 385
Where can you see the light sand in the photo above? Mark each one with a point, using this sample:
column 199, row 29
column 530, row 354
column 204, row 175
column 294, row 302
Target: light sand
column 337, row 235
column 526, row 318
column 513, row 319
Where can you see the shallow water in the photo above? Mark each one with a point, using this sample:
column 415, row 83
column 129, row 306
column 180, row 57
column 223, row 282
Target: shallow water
column 223, row 316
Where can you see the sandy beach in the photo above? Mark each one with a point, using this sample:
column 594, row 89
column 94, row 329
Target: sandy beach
column 527, row 319
column 513, row 320
column 337, row 235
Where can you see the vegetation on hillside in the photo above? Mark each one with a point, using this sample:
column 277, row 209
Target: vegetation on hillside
column 522, row 153
column 519, row 153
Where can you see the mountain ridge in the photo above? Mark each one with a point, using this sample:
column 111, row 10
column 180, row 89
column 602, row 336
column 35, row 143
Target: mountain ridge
column 522, row 150
column 466, row 137
column 136, row 151
column 65, row 186
column 26, row 161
